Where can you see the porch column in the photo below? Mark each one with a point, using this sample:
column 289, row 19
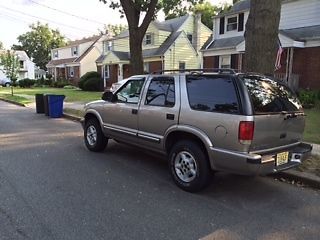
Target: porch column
column 120, row 72
column 103, row 72
column 55, row 74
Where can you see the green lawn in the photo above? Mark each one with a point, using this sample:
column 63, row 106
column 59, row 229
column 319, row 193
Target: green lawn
column 14, row 98
column 312, row 130
column 72, row 95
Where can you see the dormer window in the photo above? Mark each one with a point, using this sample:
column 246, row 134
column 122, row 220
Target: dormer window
column 232, row 23
column 74, row 51
column 21, row 63
column 55, row 54
column 108, row 46
column 148, row 39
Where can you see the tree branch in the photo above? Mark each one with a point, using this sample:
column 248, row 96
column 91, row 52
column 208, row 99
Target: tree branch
column 150, row 14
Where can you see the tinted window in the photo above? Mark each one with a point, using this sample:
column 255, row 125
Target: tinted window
column 269, row 96
column 212, row 94
column 130, row 92
column 161, row 92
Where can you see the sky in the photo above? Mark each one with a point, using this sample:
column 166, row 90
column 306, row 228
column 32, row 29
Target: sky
column 75, row 18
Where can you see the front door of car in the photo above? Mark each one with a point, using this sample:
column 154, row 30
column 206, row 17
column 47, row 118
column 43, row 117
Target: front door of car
column 159, row 109
column 121, row 116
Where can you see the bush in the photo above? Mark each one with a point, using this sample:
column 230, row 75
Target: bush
column 87, row 76
column 92, row 84
column 308, row 98
column 47, row 82
column 60, row 84
column 26, row 83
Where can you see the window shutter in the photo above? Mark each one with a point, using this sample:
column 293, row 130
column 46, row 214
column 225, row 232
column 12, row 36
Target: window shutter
column 234, row 61
column 240, row 22
column 221, row 29
column 216, row 62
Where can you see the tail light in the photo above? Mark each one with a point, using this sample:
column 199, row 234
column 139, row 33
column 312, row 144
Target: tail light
column 246, row 129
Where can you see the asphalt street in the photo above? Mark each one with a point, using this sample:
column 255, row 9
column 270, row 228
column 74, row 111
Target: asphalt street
column 52, row 187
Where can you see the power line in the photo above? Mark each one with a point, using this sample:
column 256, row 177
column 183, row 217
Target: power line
column 44, row 19
column 70, row 14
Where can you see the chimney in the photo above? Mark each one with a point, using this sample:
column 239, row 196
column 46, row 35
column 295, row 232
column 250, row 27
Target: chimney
column 196, row 32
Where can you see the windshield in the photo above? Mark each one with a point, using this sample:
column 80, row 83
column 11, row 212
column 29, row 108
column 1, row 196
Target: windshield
column 270, row 96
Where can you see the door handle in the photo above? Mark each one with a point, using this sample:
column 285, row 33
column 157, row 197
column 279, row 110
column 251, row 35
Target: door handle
column 134, row 111
column 170, row 116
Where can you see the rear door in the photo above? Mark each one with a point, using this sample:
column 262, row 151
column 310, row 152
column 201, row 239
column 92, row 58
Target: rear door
column 278, row 114
column 159, row 109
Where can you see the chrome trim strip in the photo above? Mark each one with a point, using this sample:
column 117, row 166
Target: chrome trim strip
column 120, row 130
column 149, row 138
column 275, row 148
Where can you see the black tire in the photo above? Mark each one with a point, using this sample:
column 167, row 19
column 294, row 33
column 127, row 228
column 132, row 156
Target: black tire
column 203, row 170
column 100, row 142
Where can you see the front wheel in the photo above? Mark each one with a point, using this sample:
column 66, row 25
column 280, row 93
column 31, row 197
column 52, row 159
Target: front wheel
column 94, row 137
column 189, row 166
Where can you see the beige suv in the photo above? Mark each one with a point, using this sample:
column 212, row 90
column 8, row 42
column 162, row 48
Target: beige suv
column 203, row 122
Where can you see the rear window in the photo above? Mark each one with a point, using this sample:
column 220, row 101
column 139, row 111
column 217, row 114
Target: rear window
column 270, row 96
column 212, row 94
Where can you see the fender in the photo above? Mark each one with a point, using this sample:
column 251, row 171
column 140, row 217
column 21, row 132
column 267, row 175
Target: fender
column 96, row 114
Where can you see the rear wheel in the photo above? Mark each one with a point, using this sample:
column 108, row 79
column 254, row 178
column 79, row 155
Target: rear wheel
column 93, row 136
column 189, row 166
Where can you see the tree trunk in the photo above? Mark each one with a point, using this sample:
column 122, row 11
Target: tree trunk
column 135, row 43
column 261, row 36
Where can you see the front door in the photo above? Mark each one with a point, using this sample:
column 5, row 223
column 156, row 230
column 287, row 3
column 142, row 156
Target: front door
column 121, row 116
column 159, row 110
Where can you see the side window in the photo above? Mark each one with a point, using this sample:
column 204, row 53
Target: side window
column 212, row 94
column 130, row 92
column 161, row 92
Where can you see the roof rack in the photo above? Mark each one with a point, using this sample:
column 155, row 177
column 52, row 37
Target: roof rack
column 198, row 70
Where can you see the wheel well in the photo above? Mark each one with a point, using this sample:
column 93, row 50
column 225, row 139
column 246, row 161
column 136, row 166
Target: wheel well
column 90, row 116
column 179, row 135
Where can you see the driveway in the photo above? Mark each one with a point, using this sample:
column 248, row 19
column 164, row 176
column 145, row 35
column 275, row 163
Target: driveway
column 51, row 187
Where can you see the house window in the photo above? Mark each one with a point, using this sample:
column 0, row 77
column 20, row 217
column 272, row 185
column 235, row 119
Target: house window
column 106, row 72
column 108, row 46
column 71, row 71
column 232, row 23
column 74, row 51
column 55, row 54
column 146, row 67
column 225, row 61
column 148, row 39
column 182, row 65
column 21, row 64
column 189, row 36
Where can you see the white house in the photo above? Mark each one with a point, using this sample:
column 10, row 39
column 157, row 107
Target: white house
column 26, row 66
column 299, row 33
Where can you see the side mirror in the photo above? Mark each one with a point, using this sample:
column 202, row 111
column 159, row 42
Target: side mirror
column 107, row 96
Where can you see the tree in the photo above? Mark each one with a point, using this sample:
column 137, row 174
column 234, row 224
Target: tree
column 112, row 30
column 38, row 43
column 261, row 36
column 10, row 66
column 178, row 8
column 1, row 45
column 207, row 11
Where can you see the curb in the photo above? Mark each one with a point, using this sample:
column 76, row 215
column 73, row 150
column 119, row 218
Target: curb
column 305, row 178
column 12, row 102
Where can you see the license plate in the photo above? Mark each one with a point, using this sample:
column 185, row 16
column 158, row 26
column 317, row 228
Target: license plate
column 282, row 158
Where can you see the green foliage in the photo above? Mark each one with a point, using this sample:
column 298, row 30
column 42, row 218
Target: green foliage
column 178, row 8
column 26, row 83
column 308, row 98
column 1, row 45
column 60, row 83
column 207, row 11
column 87, row 76
column 113, row 30
column 10, row 65
column 38, row 43
column 92, row 84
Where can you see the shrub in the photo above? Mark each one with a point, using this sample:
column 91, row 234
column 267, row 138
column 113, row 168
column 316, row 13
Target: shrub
column 308, row 98
column 26, row 83
column 88, row 75
column 48, row 82
column 60, row 84
column 92, row 84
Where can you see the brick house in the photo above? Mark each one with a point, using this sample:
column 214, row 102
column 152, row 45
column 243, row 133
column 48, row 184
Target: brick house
column 74, row 60
column 299, row 34
column 171, row 44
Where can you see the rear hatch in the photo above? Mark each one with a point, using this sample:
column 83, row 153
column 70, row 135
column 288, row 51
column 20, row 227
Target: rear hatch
column 278, row 116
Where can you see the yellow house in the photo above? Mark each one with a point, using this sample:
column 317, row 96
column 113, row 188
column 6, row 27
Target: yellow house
column 172, row 44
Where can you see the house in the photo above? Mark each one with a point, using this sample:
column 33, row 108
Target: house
column 27, row 67
column 299, row 34
column 171, row 44
column 74, row 60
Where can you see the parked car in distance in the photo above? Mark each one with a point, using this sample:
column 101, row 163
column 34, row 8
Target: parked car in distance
column 5, row 82
column 203, row 121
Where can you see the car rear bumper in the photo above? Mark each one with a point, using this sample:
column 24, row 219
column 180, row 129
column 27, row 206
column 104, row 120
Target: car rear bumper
column 259, row 163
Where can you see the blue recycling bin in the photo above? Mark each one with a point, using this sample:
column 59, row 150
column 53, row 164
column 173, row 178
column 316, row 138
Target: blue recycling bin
column 55, row 103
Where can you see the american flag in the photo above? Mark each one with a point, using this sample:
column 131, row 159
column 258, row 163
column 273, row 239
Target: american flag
column 277, row 64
